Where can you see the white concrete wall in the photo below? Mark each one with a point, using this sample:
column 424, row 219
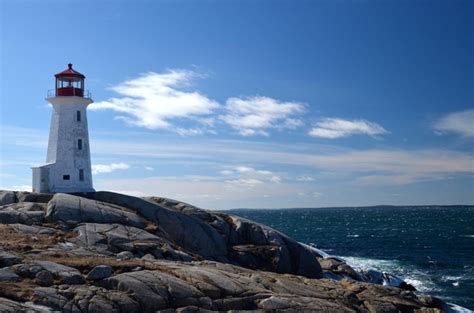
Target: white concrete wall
column 41, row 178
column 64, row 157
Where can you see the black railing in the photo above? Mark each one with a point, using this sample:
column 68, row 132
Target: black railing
column 63, row 92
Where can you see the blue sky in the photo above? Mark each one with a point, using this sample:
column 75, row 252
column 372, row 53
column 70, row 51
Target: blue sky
column 262, row 104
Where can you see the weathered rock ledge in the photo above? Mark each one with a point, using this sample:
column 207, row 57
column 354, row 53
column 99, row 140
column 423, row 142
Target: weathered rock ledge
column 107, row 252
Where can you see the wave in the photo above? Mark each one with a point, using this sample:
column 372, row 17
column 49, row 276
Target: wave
column 415, row 277
column 459, row 309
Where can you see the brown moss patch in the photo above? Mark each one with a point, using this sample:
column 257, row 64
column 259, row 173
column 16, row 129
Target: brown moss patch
column 86, row 263
column 17, row 241
column 18, row 291
column 151, row 227
column 227, row 218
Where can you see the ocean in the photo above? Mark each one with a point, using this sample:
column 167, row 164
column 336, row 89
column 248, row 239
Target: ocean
column 430, row 247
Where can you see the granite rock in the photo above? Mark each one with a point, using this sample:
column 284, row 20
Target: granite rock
column 162, row 255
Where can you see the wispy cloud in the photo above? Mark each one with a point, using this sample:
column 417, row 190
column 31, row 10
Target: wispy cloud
column 164, row 101
column 304, row 178
column 396, row 179
column 256, row 115
column 321, row 157
column 155, row 99
column 336, row 128
column 360, row 166
column 22, row 188
column 211, row 192
column 461, row 123
column 249, row 177
column 108, row 168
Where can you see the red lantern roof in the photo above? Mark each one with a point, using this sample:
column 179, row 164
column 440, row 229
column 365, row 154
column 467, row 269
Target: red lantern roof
column 69, row 72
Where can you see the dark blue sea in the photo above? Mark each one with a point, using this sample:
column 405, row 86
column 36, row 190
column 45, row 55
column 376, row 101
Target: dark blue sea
column 429, row 247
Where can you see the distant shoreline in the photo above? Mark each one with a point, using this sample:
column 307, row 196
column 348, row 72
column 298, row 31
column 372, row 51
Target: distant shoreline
column 429, row 206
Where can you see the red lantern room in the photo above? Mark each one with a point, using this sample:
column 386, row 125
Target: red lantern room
column 69, row 83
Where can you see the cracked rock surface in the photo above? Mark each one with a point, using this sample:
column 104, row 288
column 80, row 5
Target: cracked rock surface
column 108, row 252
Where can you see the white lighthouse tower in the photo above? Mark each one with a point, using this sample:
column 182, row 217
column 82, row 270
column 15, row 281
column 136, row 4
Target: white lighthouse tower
column 68, row 167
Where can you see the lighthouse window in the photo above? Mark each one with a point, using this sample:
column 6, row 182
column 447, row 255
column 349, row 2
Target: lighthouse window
column 78, row 116
column 79, row 144
column 66, row 177
column 81, row 174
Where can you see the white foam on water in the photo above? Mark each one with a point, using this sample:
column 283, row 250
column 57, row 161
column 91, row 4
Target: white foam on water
column 353, row 236
column 459, row 309
column 420, row 285
column 451, row 278
column 319, row 251
column 37, row 307
column 418, row 279
column 366, row 263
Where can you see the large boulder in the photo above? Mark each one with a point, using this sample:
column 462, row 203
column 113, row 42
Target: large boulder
column 66, row 274
column 6, row 274
column 10, row 306
column 7, row 197
column 16, row 213
column 186, row 231
column 100, row 272
column 263, row 245
column 73, row 210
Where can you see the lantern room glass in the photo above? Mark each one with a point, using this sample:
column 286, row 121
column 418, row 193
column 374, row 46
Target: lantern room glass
column 69, row 82
column 70, row 86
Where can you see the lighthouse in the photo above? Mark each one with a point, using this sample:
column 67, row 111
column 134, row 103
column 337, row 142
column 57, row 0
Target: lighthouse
column 68, row 161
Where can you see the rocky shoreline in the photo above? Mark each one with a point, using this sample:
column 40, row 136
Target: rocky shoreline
column 108, row 252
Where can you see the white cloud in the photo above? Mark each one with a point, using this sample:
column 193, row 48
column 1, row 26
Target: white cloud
column 22, row 188
column 256, row 115
column 245, row 182
column 336, row 128
column 313, row 194
column 149, row 168
column 461, row 123
column 249, row 177
column 396, row 179
column 108, row 168
column 154, row 100
column 333, row 159
column 212, row 192
column 332, row 163
column 304, row 178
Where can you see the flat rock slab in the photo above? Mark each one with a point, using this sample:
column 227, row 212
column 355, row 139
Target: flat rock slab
column 10, row 306
column 33, row 229
column 83, row 299
column 222, row 287
column 119, row 238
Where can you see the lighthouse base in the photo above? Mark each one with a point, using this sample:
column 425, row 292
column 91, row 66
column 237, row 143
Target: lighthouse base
column 47, row 179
